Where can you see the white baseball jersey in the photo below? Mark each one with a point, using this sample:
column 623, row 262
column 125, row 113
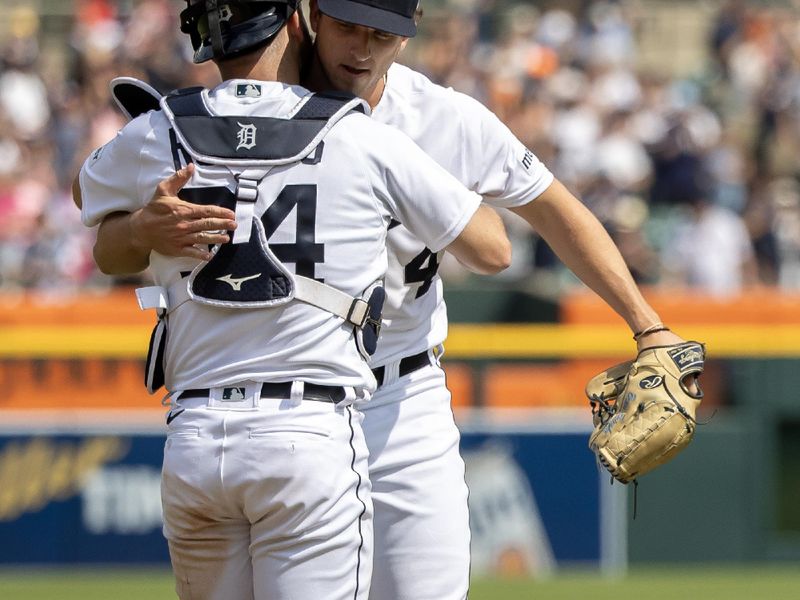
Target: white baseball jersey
column 471, row 143
column 336, row 217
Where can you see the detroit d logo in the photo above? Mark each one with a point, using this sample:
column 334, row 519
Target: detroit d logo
column 246, row 136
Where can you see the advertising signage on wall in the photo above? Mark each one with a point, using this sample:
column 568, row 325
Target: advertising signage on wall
column 81, row 499
column 94, row 498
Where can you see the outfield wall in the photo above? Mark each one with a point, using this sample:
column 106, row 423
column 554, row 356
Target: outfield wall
column 89, row 494
column 71, row 373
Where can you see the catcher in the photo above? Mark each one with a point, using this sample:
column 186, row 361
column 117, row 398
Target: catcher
column 644, row 409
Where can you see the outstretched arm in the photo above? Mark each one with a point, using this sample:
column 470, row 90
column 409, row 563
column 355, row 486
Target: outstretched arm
column 167, row 225
column 584, row 246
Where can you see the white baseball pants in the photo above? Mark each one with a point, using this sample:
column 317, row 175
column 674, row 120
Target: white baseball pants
column 270, row 503
column 421, row 518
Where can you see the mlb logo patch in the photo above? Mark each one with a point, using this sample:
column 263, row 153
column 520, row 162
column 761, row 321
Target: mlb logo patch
column 248, row 90
column 233, row 394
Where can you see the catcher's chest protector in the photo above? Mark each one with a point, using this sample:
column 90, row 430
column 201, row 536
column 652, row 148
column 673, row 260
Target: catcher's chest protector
column 249, row 147
column 245, row 272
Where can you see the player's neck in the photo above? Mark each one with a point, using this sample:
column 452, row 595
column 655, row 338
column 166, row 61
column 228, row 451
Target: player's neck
column 377, row 92
column 273, row 63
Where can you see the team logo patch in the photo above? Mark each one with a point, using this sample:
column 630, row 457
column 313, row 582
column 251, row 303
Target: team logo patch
column 246, row 136
column 687, row 356
column 232, row 394
column 649, row 383
column 248, row 90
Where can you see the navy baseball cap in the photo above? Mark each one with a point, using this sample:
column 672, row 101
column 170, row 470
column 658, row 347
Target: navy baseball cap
column 391, row 16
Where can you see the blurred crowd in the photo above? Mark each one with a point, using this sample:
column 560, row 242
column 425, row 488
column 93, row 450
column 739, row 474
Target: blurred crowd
column 695, row 176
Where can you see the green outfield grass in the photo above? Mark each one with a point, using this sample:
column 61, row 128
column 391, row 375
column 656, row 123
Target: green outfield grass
column 674, row 583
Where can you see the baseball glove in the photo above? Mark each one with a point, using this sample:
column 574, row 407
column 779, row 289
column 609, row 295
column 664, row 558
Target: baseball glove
column 643, row 412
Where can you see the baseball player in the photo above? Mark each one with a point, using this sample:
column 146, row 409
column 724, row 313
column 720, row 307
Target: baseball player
column 263, row 344
column 421, row 519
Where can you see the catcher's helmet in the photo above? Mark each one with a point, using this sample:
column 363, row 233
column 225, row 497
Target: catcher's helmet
column 225, row 28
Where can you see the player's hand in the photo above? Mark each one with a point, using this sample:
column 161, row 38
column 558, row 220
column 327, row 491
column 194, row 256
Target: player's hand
column 666, row 338
column 174, row 227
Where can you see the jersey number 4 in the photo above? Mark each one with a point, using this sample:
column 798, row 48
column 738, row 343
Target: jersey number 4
column 422, row 269
column 305, row 253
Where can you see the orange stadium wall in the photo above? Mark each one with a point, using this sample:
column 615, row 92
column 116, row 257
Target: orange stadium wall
column 72, row 354
column 87, row 351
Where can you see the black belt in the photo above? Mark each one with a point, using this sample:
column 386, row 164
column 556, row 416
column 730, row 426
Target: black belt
column 311, row 391
column 409, row 364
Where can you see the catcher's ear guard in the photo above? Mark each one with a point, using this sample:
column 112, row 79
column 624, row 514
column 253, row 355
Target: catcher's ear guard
column 368, row 333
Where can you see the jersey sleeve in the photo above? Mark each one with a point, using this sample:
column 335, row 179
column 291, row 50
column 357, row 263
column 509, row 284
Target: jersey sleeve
column 121, row 176
column 423, row 196
column 495, row 163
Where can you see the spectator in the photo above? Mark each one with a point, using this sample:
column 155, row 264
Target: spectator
column 630, row 144
column 711, row 251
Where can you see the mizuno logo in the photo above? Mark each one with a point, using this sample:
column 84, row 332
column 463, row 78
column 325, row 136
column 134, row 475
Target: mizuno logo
column 236, row 282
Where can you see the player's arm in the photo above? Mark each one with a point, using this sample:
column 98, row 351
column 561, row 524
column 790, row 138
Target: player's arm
column 483, row 245
column 509, row 175
column 166, row 224
column 431, row 203
column 584, row 246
